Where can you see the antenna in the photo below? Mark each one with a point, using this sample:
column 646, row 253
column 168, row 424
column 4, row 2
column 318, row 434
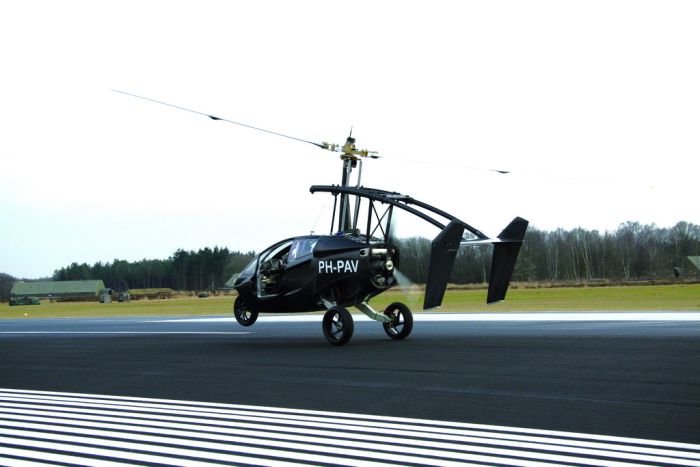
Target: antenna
column 318, row 218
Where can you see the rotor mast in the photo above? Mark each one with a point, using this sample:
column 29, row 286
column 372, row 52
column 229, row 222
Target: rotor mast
column 350, row 156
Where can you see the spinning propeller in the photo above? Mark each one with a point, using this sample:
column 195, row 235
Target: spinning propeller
column 348, row 150
column 349, row 154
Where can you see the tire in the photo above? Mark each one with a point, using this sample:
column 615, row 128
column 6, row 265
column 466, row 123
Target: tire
column 401, row 323
column 244, row 314
column 338, row 326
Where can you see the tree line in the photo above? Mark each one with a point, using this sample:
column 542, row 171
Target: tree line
column 632, row 251
column 204, row 269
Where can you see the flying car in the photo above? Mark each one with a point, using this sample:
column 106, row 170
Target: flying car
column 355, row 262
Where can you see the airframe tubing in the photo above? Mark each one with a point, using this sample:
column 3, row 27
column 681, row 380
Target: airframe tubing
column 398, row 200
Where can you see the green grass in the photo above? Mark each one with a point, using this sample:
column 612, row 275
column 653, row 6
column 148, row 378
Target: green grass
column 649, row 297
column 165, row 307
column 623, row 298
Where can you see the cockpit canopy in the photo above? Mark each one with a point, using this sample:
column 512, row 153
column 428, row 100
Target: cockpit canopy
column 287, row 252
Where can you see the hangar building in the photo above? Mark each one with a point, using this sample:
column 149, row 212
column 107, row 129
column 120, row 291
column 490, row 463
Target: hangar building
column 65, row 290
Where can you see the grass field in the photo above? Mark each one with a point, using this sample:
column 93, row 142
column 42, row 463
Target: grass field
column 649, row 297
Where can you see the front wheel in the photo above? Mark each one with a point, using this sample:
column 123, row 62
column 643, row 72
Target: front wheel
column 338, row 326
column 400, row 322
column 244, row 314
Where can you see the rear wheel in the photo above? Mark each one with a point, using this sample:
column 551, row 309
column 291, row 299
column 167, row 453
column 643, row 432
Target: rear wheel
column 338, row 326
column 400, row 322
column 244, row 314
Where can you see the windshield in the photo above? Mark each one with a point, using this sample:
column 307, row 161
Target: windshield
column 250, row 268
column 302, row 247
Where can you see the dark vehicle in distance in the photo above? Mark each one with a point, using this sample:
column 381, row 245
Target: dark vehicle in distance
column 19, row 301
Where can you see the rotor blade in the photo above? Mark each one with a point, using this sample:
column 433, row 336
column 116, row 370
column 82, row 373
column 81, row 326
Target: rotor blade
column 535, row 173
column 214, row 117
column 448, row 164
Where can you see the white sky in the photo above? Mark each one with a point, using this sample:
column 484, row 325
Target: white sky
column 590, row 104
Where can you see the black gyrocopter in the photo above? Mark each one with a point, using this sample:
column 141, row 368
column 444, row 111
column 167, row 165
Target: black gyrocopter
column 350, row 266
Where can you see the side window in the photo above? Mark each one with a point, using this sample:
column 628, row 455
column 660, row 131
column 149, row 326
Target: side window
column 275, row 253
column 301, row 247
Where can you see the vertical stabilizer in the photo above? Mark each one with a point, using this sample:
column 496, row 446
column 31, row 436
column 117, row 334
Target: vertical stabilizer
column 505, row 253
column 442, row 257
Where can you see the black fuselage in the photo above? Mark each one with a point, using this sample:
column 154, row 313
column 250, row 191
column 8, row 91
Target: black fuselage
column 308, row 273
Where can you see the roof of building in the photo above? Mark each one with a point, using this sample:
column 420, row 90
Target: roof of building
column 44, row 288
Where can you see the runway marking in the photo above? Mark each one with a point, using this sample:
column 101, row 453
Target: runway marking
column 228, row 333
column 39, row 426
column 496, row 316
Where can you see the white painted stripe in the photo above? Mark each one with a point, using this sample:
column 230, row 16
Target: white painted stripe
column 272, row 447
column 129, row 332
column 10, row 462
column 136, row 424
column 427, row 448
column 198, row 452
column 117, row 448
column 477, row 316
column 323, row 421
column 258, row 413
column 323, row 436
column 33, row 445
column 45, row 457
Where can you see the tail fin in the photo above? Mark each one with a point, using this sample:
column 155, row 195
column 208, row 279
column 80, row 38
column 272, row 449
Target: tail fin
column 444, row 249
column 505, row 252
column 442, row 257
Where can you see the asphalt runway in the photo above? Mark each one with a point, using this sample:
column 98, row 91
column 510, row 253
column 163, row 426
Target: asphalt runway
column 623, row 375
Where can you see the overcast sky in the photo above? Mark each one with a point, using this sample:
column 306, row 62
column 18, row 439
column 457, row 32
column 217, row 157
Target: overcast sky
column 593, row 106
